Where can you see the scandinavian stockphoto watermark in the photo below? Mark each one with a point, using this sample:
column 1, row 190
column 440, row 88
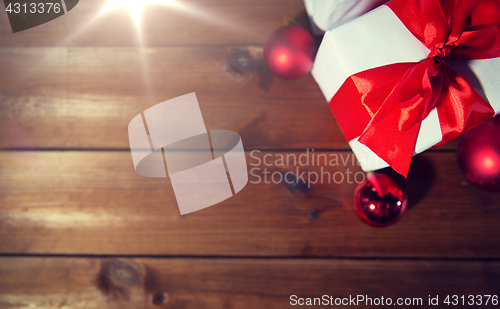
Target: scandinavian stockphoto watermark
column 308, row 167
column 205, row 167
column 208, row 167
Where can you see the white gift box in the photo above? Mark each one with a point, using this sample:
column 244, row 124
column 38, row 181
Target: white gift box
column 328, row 14
column 379, row 38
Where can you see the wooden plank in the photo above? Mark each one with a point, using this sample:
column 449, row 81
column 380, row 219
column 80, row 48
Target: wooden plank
column 190, row 22
column 85, row 97
column 94, row 203
column 234, row 283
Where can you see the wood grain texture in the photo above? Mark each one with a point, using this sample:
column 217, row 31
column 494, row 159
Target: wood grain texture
column 85, row 97
column 190, row 22
column 231, row 283
column 94, row 203
column 68, row 90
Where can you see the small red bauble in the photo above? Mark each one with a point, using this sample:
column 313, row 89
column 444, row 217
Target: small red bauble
column 289, row 52
column 380, row 201
column 479, row 155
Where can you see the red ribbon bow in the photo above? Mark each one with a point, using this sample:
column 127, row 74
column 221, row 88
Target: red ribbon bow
column 394, row 99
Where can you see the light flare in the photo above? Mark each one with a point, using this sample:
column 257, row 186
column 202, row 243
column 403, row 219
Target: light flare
column 135, row 7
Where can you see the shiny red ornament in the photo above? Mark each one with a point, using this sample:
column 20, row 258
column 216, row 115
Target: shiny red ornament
column 479, row 155
column 380, row 201
column 289, row 52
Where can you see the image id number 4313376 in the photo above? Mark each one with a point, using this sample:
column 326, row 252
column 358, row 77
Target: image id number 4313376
column 33, row 8
column 470, row 300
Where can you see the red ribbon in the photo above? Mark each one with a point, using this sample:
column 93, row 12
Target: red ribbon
column 387, row 104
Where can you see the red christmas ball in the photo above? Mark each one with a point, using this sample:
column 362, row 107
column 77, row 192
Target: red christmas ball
column 380, row 200
column 289, row 52
column 479, row 155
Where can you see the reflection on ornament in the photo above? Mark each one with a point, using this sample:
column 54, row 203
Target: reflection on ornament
column 479, row 155
column 289, row 52
column 380, row 201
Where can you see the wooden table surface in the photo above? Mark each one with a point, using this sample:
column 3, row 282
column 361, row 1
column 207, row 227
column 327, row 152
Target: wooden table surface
column 79, row 228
